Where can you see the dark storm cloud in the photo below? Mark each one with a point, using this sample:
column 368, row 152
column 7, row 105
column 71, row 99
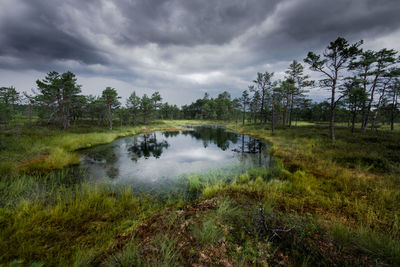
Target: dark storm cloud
column 311, row 25
column 184, row 46
column 43, row 30
column 180, row 22
column 39, row 34
column 312, row 19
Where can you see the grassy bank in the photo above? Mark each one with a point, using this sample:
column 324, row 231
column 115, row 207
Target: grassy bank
column 352, row 184
column 354, row 179
column 42, row 149
column 323, row 203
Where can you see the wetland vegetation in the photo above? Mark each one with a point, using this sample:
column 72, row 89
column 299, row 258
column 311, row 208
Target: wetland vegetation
column 341, row 199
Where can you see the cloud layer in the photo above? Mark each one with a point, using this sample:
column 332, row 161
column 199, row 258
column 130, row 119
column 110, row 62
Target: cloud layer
column 178, row 47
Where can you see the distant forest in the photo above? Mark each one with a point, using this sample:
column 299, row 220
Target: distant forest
column 364, row 88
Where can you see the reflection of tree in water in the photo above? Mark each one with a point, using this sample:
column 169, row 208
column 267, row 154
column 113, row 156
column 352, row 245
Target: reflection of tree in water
column 103, row 154
column 253, row 145
column 254, row 149
column 105, row 157
column 147, row 147
column 116, row 160
column 112, row 172
column 250, row 145
column 170, row 134
column 216, row 135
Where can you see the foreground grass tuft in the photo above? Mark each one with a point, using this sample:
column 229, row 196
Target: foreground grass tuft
column 68, row 220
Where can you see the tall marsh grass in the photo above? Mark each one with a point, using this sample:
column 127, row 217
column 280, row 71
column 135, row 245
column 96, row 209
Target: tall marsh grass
column 50, row 221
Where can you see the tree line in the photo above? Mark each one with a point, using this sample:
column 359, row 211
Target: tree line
column 57, row 100
column 364, row 88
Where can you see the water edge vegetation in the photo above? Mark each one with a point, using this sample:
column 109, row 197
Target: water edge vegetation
column 341, row 198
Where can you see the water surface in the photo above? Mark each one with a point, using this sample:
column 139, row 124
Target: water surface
column 158, row 159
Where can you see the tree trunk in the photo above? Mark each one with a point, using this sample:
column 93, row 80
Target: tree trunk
column 394, row 108
column 60, row 107
column 291, row 111
column 242, row 144
column 284, row 115
column 332, row 115
column 110, row 117
column 370, row 104
column 353, row 120
column 66, row 117
column 332, row 125
column 392, row 120
column 363, row 115
column 272, row 117
column 244, row 113
column 378, row 106
column 262, row 106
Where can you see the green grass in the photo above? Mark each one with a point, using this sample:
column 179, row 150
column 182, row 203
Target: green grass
column 51, row 222
column 378, row 127
column 352, row 181
column 130, row 256
column 355, row 177
column 208, row 232
column 376, row 244
column 167, row 254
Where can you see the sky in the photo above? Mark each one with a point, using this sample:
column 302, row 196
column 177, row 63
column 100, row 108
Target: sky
column 181, row 48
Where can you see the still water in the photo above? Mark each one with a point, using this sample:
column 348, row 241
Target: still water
column 158, row 159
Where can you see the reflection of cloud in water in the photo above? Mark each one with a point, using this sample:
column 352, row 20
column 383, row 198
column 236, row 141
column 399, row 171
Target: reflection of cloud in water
column 157, row 158
column 199, row 154
column 175, row 163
